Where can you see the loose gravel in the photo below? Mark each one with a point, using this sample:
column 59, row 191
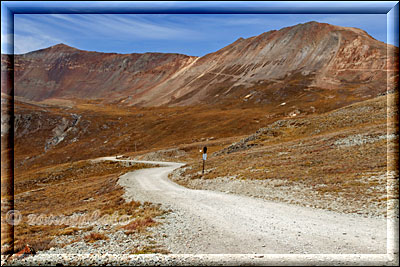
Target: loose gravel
column 216, row 228
column 217, row 222
column 204, row 260
column 277, row 190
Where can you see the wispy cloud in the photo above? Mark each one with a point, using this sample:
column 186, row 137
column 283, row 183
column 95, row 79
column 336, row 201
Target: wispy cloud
column 130, row 24
column 34, row 35
column 64, row 26
column 24, row 44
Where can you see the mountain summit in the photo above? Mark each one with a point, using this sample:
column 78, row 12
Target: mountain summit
column 306, row 62
column 289, row 62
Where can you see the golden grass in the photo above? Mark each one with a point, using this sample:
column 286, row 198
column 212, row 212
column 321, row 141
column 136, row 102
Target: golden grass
column 60, row 181
column 106, row 129
column 93, row 237
column 66, row 189
column 138, row 225
column 149, row 249
column 304, row 153
column 73, row 230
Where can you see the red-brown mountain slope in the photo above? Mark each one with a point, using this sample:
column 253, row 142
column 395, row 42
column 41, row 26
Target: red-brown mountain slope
column 62, row 71
column 312, row 63
column 290, row 63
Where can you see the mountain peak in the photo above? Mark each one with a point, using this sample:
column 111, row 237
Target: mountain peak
column 62, row 46
column 272, row 68
column 314, row 24
column 321, row 26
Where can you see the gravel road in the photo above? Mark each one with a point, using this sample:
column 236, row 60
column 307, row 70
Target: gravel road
column 206, row 227
column 209, row 222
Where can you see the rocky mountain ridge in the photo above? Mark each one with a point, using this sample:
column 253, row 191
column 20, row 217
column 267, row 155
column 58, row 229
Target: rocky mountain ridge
column 61, row 71
column 310, row 62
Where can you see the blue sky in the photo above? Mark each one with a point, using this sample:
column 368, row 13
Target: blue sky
column 191, row 34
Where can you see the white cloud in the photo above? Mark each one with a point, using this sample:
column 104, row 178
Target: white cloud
column 95, row 25
column 134, row 27
column 24, row 44
column 42, row 30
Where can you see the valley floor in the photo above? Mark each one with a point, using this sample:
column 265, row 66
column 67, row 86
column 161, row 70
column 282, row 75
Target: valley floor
column 339, row 169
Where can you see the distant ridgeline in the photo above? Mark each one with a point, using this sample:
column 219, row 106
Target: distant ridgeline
column 310, row 62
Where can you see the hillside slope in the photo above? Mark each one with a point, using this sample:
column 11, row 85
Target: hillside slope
column 344, row 160
column 309, row 62
column 61, row 71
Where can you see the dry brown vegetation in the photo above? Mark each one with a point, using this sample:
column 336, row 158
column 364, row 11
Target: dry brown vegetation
column 138, row 225
column 149, row 250
column 60, row 181
column 72, row 188
column 93, row 237
column 105, row 129
column 289, row 151
column 341, row 153
column 309, row 139
column 109, row 130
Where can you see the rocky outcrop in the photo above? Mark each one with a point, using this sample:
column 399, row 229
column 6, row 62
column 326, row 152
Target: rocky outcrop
column 62, row 130
column 39, row 125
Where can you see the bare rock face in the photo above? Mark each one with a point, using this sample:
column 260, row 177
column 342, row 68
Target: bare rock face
column 308, row 62
column 62, row 130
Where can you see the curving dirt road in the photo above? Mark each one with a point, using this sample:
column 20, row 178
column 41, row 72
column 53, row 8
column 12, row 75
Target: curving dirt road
column 214, row 222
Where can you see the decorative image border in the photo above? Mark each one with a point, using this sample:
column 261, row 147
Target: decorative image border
column 390, row 8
